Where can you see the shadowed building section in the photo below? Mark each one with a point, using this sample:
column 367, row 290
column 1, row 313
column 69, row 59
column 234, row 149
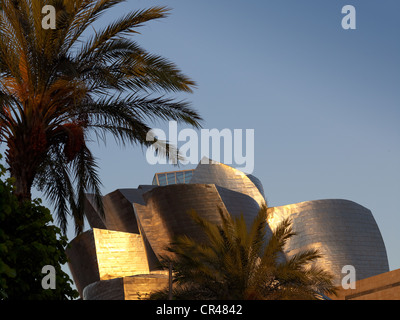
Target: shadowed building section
column 119, row 215
column 165, row 214
column 82, row 260
column 258, row 184
column 238, row 204
column 119, row 257
column 93, row 216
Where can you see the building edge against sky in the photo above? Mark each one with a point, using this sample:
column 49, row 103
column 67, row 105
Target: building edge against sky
column 138, row 223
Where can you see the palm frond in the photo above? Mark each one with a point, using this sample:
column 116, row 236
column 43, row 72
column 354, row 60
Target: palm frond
column 84, row 13
column 102, row 82
column 231, row 264
column 120, row 28
column 54, row 179
column 88, row 181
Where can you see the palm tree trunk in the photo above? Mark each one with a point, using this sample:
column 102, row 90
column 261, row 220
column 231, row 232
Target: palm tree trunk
column 23, row 181
column 24, row 154
column 22, row 166
column 23, row 189
column 170, row 281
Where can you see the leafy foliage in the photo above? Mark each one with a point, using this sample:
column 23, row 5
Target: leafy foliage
column 59, row 86
column 241, row 263
column 27, row 243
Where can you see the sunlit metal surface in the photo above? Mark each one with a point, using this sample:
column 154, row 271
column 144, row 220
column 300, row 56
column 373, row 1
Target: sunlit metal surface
column 101, row 254
column 345, row 232
column 119, row 254
column 136, row 287
column 384, row 286
column 227, row 177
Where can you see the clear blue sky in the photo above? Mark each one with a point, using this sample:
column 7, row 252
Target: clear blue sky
column 324, row 102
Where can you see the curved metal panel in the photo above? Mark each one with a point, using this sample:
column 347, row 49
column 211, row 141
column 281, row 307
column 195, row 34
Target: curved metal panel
column 119, row 214
column 226, row 177
column 344, row 231
column 238, row 204
column 257, row 183
column 165, row 213
column 112, row 289
column 126, row 288
column 82, row 261
column 141, row 286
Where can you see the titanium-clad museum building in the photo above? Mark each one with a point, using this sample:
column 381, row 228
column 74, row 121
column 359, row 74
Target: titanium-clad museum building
column 118, row 257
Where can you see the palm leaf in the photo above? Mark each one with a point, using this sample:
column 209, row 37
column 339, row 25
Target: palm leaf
column 236, row 262
column 102, row 81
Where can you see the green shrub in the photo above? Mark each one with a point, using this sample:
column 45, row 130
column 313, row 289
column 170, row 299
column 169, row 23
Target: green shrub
column 28, row 242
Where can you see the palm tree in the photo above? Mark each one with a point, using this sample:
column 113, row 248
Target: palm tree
column 58, row 86
column 237, row 262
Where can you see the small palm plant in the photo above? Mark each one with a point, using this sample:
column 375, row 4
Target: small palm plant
column 243, row 263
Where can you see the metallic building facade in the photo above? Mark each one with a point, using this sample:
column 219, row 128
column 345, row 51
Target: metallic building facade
column 345, row 232
column 118, row 258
